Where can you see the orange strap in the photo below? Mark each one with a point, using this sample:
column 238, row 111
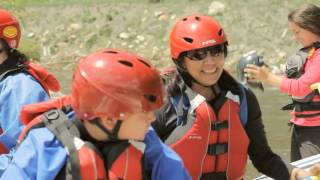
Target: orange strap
column 47, row 80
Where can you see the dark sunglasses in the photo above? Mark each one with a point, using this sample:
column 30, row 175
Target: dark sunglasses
column 200, row 54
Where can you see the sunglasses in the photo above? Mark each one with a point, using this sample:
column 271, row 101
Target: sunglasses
column 200, row 54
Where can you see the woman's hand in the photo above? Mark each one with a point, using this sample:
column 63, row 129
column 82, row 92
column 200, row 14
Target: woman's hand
column 299, row 174
column 312, row 174
column 315, row 170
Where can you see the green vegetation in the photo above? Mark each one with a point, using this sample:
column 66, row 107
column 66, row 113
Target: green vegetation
column 10, row 3
column 64, row 2
column 59, row 32
column 31, row 48
column 81, row 26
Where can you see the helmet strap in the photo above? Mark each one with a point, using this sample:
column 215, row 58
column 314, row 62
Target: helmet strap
column 186, row 76
column 112, row 135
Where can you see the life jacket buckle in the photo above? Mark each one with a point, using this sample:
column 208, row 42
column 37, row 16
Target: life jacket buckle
column 52, row 115
column 218, row 125
column 217, row 149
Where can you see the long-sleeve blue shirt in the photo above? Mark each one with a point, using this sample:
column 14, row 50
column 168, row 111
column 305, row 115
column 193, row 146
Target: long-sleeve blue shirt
column 41, row 156
column 16, row 91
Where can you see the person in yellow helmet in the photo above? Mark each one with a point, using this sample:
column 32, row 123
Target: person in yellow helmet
column 21, row 81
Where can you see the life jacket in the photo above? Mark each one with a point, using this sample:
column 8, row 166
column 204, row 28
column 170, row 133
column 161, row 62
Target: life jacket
column 212, row 145
column 85, row 161
column 46, row 80
column 124, row 161
column 307, row 108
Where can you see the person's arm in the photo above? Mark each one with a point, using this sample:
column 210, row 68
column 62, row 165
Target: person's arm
column 301, row 86
column 162, row 161
column 254, row 73
column 5, row 160
column 39, row 156
column 295, row 87
column 19, row 90
column 260, row 153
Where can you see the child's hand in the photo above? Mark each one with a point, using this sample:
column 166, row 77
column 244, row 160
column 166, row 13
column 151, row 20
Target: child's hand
column 254, row 72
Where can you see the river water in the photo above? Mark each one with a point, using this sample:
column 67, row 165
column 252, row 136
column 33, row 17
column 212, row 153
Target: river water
column 274, row 119
column 276, row 124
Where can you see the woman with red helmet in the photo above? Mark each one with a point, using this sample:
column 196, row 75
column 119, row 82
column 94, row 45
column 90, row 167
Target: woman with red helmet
column 211, row 120
column 21, row 82
column 100, row 131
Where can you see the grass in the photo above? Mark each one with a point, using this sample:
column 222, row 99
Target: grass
column 31, row 48
column 63, row 2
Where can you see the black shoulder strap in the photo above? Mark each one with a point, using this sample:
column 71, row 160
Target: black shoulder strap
column 112, row 150
column 10, row 66
column 146, row 175
column 10, row 72
column 66, row 132
column 243, row 105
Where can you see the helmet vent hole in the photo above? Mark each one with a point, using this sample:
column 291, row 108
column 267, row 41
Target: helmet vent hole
column 184, row 19
column 150, row 97
column 126, row 63
column 197, row 18
column 189, row 40
column 220, row 32
column 112, row 52
column 145, row 63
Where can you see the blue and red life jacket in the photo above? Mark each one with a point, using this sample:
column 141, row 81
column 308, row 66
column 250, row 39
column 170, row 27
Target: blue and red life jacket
column 213, row 145
column 85, row 161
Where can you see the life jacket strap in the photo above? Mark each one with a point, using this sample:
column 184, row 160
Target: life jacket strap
column 309, row 106
column 65, row 131
column 217, row 149
column 307, row 115
column 213, row 175
column 218, row 125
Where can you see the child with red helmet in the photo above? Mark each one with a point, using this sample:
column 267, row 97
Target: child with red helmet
column 100, row 131
column 211, row 120
column 21, row 81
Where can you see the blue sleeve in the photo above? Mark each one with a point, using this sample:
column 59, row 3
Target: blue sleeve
column 162, row 161
column 15, row 92
column 5, row 160
column 39, row 156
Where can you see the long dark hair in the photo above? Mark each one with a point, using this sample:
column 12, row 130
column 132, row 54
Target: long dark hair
column 307, row 17
column 13, row 53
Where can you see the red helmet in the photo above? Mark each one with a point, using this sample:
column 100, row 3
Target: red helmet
column 194, row 32
column 111, row 82
column 9, row 29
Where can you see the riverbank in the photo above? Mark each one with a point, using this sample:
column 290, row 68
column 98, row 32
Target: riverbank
column 57, row 33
